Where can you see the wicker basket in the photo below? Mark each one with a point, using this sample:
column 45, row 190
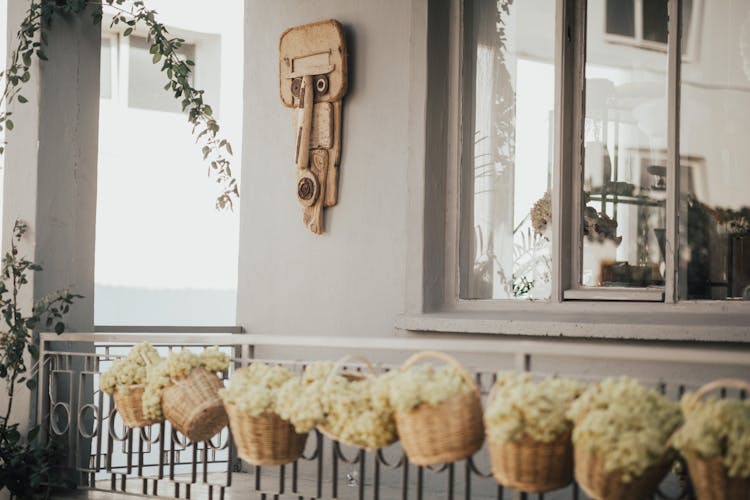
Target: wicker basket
column 192, row 405
column 709, row 476
column 130, row 406
column 603, row 485
column 447, row 432
column 351, row 376
column 265, row 439
column 533, row 466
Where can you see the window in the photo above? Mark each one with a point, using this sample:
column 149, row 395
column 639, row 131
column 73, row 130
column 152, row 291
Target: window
column 596, row 171
column 145, row 81
column 509, row 95
column 108, row 70
column 644, row 23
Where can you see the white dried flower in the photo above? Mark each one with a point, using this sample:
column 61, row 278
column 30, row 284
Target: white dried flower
column 625, row 424
column 522, row 407
column 254, row 389
column 717, row 428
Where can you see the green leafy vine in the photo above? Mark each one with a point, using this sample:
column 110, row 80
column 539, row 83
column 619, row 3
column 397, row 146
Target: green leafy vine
column 164, row 49
column 26, row 465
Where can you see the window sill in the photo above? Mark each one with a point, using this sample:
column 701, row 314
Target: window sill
column 628, row 322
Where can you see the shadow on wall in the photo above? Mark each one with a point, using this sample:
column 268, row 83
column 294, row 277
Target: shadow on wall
column 120, row 305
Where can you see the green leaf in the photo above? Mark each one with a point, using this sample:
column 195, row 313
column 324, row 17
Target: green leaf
column 127, row 32
column 31, row 384
column 9, row 124
column 22, row 99
column 33, row 433
column 59, row 327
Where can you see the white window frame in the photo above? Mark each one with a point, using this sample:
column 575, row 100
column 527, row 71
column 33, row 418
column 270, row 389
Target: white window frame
column 432, row 300
column 114, row 52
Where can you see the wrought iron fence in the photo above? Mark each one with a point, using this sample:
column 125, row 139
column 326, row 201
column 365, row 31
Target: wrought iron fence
column 158, row 460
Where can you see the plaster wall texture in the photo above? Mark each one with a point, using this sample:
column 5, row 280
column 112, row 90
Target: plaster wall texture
column 350, row 280
column 50, row 171
column 353, row 280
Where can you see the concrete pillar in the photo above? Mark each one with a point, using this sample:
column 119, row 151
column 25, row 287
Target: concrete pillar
column 50, row 166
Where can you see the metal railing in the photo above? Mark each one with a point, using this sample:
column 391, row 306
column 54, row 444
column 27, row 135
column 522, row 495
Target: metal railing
column 104, row 455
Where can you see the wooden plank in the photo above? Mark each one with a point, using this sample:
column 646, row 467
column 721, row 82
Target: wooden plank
column 567, row 57
column 312, row 216
column 673, row 151
column 322, row 132
column 332, row 182
column 576, row 170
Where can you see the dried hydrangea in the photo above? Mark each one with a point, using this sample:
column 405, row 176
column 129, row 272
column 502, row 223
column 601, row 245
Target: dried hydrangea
column 345, row 407
column 404, row 390
column 254, row 389
column 157, row 379
column 178, row 365
column 182, row 362
column 625, row 424
column 541, row 213
column 130, row 370
column 717, row 428
column 352, row 416
column 520, row 406
column 299, row 399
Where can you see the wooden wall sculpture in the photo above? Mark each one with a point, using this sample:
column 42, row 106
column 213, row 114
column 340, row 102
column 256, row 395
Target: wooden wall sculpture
column 313, row 81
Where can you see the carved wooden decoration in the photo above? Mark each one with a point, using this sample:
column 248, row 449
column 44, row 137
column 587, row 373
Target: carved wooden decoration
column 313, row 81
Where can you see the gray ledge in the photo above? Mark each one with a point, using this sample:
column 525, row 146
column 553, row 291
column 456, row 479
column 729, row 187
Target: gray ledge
column 621, row 325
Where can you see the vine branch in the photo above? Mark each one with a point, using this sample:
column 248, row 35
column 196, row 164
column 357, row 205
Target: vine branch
column 163, row 48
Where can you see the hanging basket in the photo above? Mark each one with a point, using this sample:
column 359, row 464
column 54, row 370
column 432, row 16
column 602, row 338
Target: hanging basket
column 371, row 373
column 266, row 439
column 709, row 475
column 608, row 485
column 450, row 431
column 193, row 406
column 530, row 465
column 129, row 404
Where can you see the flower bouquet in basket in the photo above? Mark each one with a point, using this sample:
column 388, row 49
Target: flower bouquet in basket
column 262, row 437
column 528, row 433
column 184, row 389
column 125, row 381
column 339, row 403
column 715, row 440
column 438, row 411
column 621, row 439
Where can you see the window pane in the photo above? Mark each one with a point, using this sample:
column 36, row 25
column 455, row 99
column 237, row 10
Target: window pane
column 145, row 80
column 624, row 183
column 714, row 124
column 509, row 100
column 105, row 79
column 655, row 15
column 621, row 17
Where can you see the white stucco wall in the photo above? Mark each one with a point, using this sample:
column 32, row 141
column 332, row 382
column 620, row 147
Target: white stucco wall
column 350, row 280
column 355, row 279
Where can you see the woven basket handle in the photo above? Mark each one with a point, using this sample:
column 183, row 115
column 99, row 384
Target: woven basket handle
column 721, row 383
column 450, row 360
column 340, row 363
column 145, row 359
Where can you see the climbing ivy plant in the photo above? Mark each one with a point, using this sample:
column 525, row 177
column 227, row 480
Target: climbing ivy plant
column 32, row 40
